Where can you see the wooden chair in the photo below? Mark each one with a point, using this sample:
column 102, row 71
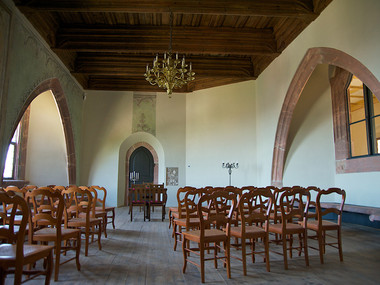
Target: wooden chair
column 138, row 197
column 289, row 225
column 102, row 195
column 80, row 204
column 100, row 214
column 158, row 198
column 174, row 211
column 253, row 210
column 321, row 225
column 210, row 234
column 188, row 216
column 47, row 209
column 188, row 219
column 14, row 254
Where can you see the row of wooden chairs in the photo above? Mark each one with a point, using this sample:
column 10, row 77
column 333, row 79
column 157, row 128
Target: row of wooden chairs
column 148, row 196
column 56, row 214
column 251, row 213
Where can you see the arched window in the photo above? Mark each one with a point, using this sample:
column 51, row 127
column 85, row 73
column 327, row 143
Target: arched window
column 363, row 119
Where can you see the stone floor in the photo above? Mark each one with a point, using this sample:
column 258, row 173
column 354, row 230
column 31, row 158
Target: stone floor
column 141, row 252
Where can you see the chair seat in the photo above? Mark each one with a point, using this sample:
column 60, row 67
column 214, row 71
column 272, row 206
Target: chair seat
column 173, row 209
column 183, row 223
column 250, row 231
column 78, row 222
column 290, row 228
column 326, row 225
column 50, row 234
column 212, row 235
column 106, row 209
column 8, row 253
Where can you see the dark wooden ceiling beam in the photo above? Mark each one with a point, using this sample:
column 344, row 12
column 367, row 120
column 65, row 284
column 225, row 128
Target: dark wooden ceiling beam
column 129, row 65
column 269, row 8
column 195, row 40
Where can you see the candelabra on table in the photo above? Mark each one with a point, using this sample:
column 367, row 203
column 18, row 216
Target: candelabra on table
column 134, row 176
column 230, row 166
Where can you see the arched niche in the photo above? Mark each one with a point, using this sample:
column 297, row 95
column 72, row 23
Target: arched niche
column 55, row 87
column 312, row 58
column 133, row 142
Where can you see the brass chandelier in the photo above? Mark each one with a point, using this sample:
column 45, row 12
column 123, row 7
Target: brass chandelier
column 171, row 73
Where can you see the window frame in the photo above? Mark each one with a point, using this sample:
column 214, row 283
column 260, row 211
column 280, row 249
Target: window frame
column 368, row 118
column 19, row 160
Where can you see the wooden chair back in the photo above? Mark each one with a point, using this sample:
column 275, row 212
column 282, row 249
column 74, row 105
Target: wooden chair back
column 46, row 207
column 138, row 194
column 215, row 210
column 158, row 194
column 20, row 192
column 78, row 202
column 321, row 212
column 254, row 208
column 291, row 210
column 101, row 196
column 181, row 194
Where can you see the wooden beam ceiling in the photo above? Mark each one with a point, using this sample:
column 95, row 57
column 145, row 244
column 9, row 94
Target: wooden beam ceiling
column 268, row 8
column 107, row 44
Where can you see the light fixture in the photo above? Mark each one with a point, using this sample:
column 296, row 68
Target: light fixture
column 230, row 166
column 171, row 73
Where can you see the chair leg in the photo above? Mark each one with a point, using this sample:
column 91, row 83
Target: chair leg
column 306, row 251
column 57, row 260
column 99, row 237
column 340, row 245
column 113, row 218
column 320, row 245
column 184, row 251
column 202, row 261
column 87, row 242
column 227, row 252
column 77, row 253
column 253, row 248
column 266, row 245
column 175, row 236
column 285, row 252
column 105, row 225
column 244, row 255
column 49, row 268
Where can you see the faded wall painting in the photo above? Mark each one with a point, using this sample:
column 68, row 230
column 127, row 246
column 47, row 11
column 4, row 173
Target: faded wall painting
column 144, row 113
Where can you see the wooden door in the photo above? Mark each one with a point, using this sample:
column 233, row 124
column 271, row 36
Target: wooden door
column 141, row 164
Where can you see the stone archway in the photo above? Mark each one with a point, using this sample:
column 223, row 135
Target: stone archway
column 54, row 86
column 312, row 58
column 127, row 158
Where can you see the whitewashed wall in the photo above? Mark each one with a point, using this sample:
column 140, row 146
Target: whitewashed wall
column 221, row 126
column 46, row 160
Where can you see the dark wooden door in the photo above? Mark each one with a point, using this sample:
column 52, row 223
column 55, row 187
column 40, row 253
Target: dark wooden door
column 141, row 162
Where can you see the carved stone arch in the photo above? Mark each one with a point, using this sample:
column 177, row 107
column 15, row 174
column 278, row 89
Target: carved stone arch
column 313, row 57
column 55, row 87
column 127, row 158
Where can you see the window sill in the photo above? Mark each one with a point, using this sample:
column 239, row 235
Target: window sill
column 12, row 182
column 358, row 164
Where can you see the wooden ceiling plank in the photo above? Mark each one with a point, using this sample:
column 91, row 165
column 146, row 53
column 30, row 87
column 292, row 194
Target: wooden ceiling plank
column 153, row 39
column 269, row 8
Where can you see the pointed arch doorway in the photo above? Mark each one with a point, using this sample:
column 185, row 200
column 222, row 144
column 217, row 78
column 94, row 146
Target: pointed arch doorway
column 144, row 158
column 141, row 166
